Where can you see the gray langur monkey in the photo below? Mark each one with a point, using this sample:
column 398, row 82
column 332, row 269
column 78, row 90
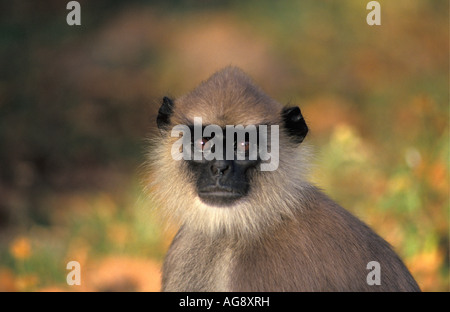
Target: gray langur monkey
column 245, row 229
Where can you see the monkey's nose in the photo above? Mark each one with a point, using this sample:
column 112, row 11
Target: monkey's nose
column 219, row 168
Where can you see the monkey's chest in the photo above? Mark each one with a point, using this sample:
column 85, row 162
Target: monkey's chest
column 193, row 266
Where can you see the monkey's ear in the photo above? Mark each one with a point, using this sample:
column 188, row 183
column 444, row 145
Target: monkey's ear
column 294, row 123
column 164, row 113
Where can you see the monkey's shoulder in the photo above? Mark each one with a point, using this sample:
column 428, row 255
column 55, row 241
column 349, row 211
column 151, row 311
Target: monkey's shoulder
column 341, row 245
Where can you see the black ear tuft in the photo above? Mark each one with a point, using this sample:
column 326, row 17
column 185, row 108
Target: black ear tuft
column 294, row 123
column 164, row 113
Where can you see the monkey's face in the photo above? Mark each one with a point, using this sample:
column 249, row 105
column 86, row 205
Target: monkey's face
column 222, row 182
column 222, row 179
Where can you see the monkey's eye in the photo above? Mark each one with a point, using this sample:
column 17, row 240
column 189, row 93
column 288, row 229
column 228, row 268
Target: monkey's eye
column 243, row 146
column 202, row 144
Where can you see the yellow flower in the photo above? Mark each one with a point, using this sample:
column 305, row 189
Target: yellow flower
column 20, row 248
column 27, row 282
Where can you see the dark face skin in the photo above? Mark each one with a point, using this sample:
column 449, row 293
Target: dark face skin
column 222, row 182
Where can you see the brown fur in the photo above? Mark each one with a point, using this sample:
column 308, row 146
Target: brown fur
column 284, row 236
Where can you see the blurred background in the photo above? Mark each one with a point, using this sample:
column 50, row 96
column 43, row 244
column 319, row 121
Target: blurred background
column 78, row 102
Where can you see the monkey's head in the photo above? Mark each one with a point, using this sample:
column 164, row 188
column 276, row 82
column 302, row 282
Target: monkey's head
column 228, row 159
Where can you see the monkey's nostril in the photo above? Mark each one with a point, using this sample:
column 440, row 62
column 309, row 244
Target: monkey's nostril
column 219, row 169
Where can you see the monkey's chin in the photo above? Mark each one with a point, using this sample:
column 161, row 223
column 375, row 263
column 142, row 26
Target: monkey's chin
column 219, row 198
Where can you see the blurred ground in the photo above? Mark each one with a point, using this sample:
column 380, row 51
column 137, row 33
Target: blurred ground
column 76, row 104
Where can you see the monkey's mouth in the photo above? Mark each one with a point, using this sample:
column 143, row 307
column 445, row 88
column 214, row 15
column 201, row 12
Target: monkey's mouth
column 219, row 196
